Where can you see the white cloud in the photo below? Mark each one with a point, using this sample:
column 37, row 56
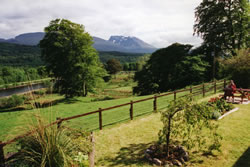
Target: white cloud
column 158, row 22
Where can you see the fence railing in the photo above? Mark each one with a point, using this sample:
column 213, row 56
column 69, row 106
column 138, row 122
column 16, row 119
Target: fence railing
column 196, row 90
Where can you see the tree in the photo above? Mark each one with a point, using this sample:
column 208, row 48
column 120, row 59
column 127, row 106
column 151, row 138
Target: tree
column 189, row 123
column 237, row 68
column 223, row 25
column 170, row 68
column 113, row 66
column 67, row 50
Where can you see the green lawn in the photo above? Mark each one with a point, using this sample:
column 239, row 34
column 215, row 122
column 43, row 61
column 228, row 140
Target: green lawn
column 123, row 145
column 9, row 120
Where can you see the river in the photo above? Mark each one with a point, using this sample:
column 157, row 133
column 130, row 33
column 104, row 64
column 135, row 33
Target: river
column 22, row 89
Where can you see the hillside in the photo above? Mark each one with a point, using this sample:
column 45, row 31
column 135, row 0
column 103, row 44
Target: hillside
column 19, row 55
column 24, row 55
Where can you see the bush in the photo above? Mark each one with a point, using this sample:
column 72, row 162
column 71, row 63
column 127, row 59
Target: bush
column 107, row 78
column 189, row 124
column 51, row 147
column 237, row 68
column 40, row 92
column 12, row 101
column 216, row 115
column 221, row 104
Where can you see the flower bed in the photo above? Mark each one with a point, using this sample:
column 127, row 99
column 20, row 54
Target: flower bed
column 220, row 107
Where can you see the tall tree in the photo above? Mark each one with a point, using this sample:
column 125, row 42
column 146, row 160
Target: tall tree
column 238, row 68
column 113, row 66
column 223, row 24
column 170, row 68
column 67, row 50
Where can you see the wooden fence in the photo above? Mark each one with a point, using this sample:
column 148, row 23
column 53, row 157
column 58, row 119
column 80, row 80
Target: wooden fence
column 196, row 90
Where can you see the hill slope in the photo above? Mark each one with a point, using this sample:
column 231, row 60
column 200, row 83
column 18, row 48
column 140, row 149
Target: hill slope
column 24, row 55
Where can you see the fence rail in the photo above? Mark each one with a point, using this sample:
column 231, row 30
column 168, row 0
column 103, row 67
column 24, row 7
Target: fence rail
column 196, row 90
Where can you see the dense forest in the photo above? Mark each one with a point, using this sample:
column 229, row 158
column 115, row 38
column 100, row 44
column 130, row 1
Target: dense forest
column 19, row 55
column 23, row 55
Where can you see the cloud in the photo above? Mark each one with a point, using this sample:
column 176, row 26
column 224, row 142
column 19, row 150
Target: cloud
column 157, row 22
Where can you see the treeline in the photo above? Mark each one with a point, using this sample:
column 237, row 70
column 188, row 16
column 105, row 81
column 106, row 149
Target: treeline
column 178, row 65
column 122, row 57
column 23, row 55
column 9, row 75
column 19, row 55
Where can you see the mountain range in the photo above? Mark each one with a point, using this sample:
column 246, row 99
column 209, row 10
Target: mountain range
column 115, row 43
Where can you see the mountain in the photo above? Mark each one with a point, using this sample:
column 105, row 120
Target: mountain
column 26, row 39
column 115, row 43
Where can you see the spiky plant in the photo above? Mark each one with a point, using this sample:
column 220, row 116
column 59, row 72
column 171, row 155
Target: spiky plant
column 48, row 147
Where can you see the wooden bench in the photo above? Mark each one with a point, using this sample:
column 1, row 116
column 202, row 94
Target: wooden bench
column 241, row 93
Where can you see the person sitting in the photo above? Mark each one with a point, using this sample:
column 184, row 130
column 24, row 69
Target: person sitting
column 230, row 90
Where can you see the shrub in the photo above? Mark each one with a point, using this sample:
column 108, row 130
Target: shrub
column 107, row 78
column 216, row 115
column 237, row 68
column 221, row 104
column 184, row 122
column 12, row 101
column 40, row 92
column 50, row 147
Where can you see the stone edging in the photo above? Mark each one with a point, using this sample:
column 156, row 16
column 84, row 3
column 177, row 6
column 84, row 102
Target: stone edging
column 229, row 112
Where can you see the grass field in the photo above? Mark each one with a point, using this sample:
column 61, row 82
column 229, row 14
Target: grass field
column 13, row 121
column 124, row 145
column 10, row 119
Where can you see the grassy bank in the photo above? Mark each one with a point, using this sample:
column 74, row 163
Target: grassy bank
column 17, row 84
column 124, row 145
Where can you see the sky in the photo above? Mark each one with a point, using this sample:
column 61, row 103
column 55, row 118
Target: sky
column 157, row 22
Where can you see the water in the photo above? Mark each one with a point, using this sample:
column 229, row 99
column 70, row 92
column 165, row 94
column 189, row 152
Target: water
column 20, row 90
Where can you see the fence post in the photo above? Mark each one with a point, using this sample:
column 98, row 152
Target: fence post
column 174, row 95
column 59, row 122
column 100, row 118
column 131, row 110
column 214, row 86
column 203, row 90
column 155, row 103
column 2, row 160
column 224, row 83
column 92, row 153
column 191, row 91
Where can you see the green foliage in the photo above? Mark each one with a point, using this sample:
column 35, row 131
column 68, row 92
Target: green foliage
column 220, row 104
column 122, row 57
column 237, row 68
column 50, row 146
column 68, row 53
column 113, row 66
column 19, row 55
column 12, row 101
column 10, row 75
column 22, row 55
column 223, row 25
column 42, row 71
column 185, row 121
column 82, row 160
column 170, row 68
column 216, row 114
column 138, row 65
